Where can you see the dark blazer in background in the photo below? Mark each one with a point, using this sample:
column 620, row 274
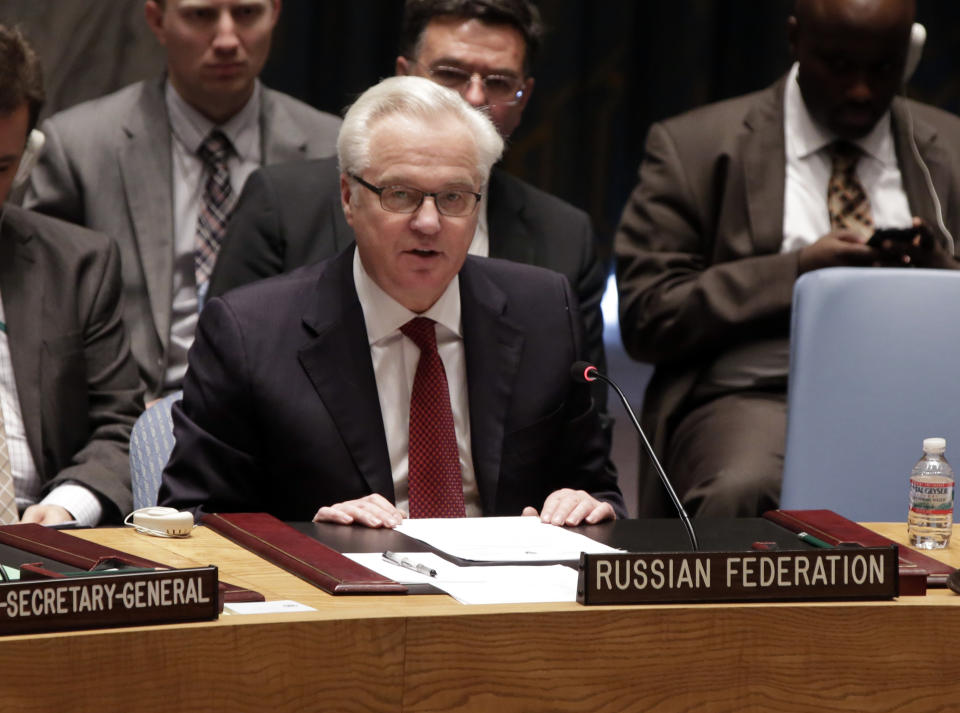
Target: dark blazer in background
column 77, row 383
column 290, row 216
column 699, row 265
column 281, row 414
column 107, row 165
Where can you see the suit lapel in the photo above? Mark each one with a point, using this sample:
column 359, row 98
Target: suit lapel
column 338, row 364
column 509, row 237
column 492, row 347
column 914, row 182
column 22, row 290
column 281, row 138
column 147, row 172
column 764, row 168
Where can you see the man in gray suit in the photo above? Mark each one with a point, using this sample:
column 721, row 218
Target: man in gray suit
column 732, row 206
column 158, row 165
column 69, row 390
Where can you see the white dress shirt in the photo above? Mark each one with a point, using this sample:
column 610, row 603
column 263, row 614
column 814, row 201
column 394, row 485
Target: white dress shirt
column 75, row 498
column 190, row 128
column 395, row 359
column 805, row 214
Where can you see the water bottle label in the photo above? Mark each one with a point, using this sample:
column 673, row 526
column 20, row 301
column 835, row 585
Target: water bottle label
column 931, row 498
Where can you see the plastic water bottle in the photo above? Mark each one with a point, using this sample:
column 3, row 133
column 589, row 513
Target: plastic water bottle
column 931, row 498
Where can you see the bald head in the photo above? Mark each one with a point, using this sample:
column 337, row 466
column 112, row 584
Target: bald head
column 867, row 14
column 852, row 55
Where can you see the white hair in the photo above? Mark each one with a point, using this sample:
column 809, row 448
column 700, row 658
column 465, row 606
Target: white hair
column 412, row 97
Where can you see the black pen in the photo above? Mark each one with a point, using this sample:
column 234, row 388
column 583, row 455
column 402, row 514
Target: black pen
column 409, row 564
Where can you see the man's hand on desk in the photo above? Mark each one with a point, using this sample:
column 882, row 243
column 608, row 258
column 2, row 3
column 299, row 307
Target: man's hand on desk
column 46, row 514
column 572, row 507
column 371, row 510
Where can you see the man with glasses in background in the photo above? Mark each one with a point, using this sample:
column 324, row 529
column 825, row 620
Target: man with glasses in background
column 289, row 215
column 401, row 377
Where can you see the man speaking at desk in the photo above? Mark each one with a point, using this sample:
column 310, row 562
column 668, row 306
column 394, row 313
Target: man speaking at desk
column 400, row 377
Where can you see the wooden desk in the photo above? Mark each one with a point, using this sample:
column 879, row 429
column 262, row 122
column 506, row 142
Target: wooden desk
column 429, row 653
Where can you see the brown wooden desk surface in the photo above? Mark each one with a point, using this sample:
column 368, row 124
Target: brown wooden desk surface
column 429, row 653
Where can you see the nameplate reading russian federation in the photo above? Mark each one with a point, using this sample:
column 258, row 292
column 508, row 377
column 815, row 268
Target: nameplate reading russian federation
column 837, row 573
column 110, row 599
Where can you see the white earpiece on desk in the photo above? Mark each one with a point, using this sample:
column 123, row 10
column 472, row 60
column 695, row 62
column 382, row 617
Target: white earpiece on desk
column 160, row 521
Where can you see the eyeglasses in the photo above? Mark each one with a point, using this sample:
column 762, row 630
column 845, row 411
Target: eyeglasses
column 403, row 199
column 500, row 89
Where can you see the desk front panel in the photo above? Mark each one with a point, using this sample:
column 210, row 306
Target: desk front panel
column 429, row 653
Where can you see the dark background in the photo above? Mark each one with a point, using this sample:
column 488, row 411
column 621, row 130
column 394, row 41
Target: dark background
column 608, row 68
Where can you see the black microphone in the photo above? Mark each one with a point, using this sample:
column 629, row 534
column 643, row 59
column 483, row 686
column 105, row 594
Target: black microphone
column 584, row 373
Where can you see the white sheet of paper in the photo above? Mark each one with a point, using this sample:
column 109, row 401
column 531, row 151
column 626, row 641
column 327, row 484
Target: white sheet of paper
column 481, row 585
column 277, row 606
column 501, row 539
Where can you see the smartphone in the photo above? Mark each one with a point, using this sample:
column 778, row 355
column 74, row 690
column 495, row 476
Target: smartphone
column 894, row 235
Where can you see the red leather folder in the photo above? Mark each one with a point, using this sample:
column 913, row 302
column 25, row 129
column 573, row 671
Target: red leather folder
column 835, row 529
column 300, row 554
column 86, row 555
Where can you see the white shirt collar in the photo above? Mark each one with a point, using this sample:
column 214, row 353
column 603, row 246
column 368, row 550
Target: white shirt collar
column 805, row 137
column 191, row 127
column 384, row 316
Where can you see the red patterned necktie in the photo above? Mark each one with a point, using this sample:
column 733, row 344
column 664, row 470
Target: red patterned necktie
column 847, row 200
column 435, row 485
column 215, row 205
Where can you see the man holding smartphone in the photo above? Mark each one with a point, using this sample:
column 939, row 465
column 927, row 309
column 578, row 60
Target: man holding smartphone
column 738, row 199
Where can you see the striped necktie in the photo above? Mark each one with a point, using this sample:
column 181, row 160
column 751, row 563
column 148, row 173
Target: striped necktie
column 215, row 205
column 8, row 502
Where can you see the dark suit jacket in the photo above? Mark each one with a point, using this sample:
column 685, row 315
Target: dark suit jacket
column 280, row 410
column 698, row 261
column 76, row 381
column 290, row 215
column 107, row 165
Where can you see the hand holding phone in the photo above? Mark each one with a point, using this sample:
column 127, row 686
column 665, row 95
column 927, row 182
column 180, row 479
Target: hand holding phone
column 915, row 246
column 894, row 237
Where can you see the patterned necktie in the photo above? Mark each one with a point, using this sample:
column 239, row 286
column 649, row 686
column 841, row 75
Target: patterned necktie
column 436, row 488
column 8, row 503
column 847, row 201
column 215, row 206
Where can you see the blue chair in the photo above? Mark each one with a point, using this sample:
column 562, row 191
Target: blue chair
column 873, row 371
column 151, row 442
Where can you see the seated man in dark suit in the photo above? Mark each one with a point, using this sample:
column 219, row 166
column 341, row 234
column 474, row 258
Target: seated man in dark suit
column 735, row 201
column 401, row 376
column 289, row 214
column 69, row 389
